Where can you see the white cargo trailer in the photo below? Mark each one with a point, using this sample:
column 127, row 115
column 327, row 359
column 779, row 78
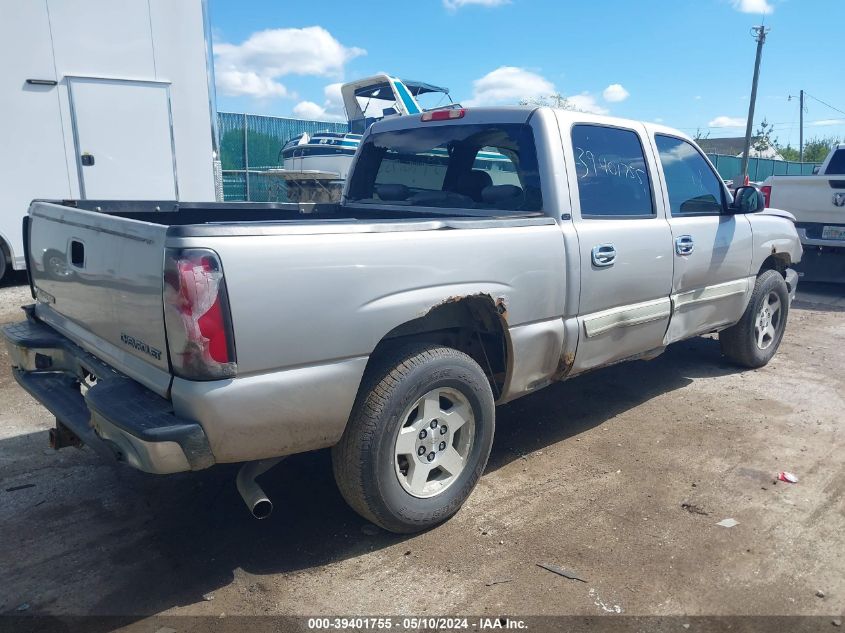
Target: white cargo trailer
column 103, row 99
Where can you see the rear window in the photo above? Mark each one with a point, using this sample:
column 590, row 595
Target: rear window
column 836, row 166
column 450, row 166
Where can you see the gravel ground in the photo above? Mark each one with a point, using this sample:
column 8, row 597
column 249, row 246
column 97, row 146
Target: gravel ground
column 620, row 475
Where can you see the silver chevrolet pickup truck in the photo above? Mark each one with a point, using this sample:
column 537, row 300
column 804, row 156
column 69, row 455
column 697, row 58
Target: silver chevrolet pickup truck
column 477, row 256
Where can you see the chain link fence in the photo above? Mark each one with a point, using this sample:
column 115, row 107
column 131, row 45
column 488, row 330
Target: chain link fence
column 250, row 144
column 759, row 168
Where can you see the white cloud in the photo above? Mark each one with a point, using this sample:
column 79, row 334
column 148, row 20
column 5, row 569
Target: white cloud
column 509, row 85
column 236, row 82
column 697, row 97
column 824, row 122
column 658, row 120
column 615, row 93
column 727, row 121
column 753, row 6
column 331, row 110
column 585, row 102
column 316, row 112
column 454, row 5
column 334, row 98
column 254, row 66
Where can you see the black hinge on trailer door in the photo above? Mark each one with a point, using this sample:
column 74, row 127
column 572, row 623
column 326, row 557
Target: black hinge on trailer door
column 25, row 228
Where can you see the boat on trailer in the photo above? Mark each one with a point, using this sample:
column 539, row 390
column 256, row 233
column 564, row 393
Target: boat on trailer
column 314, row 167
column 366, row 101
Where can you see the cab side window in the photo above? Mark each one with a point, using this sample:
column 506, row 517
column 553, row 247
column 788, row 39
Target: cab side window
column 613, row 179
column 693, row 187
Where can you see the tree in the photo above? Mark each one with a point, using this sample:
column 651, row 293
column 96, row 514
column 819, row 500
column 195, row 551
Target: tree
column 701, row 136
column 556, row 100
column 763, row 136
column 815, row 149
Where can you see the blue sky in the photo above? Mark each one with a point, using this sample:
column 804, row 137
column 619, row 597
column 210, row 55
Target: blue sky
column 687, row 63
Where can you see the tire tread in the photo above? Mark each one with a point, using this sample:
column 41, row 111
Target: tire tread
column 737, row 342
column 360, row 439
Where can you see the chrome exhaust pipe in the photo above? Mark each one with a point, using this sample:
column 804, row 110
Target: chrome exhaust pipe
column 254, row 497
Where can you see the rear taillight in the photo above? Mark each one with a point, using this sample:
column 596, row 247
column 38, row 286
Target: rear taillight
column 767, row 194
column 443, row 115
column 196, row 315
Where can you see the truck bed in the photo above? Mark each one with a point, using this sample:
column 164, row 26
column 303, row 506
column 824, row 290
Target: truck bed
column 170, row 213
column 97, row 266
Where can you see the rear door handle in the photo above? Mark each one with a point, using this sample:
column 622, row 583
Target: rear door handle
column 604, row 255
column 684, row 245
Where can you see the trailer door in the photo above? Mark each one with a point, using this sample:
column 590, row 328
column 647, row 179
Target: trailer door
column 123, row 138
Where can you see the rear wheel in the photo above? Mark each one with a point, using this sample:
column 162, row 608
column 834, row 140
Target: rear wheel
column 3, row 264
column 418, row 439
column 755, row 339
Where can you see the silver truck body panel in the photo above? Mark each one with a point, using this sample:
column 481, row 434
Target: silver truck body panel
column 773, row 235
column 308, row 304
column 535, row 356
column 274, row 413
column 106, row 296
column 310, row 300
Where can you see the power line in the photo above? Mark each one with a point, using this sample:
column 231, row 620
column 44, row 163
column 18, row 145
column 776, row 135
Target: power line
column 824, row 103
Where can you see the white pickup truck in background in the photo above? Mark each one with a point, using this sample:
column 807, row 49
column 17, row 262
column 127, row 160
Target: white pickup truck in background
column 818, row 204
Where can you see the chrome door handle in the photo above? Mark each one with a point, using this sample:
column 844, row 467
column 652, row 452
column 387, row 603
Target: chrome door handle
column 604, row 255
column 684, row 245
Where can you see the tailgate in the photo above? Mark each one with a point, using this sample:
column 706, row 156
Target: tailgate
column 811, row 199
column 98, row 280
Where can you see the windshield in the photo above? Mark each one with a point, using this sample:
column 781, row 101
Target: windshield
column 451, row 166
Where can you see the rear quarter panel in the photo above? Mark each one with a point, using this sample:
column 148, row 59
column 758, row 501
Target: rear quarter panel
column 312, row 298
column 308, row 310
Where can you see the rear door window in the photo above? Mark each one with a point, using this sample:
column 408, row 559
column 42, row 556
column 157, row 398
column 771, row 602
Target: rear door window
column 613, row 178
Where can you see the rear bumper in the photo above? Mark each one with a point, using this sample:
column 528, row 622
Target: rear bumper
column 811, row 236
column 114, row 415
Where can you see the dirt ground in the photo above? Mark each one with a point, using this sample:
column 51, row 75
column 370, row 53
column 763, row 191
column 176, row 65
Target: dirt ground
column 592, row 475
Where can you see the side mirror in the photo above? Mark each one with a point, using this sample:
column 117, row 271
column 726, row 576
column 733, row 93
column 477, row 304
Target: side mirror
column 747, row 200
column 815, row 170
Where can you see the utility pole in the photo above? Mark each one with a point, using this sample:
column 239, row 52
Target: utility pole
column 759, row 34
column 801, row 125
column 801, row 128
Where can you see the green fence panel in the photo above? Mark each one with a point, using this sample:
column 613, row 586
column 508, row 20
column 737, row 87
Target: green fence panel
column 231, row 129
column 759, row 168
column 264, row 138
column 251, row 143
column 234, row 186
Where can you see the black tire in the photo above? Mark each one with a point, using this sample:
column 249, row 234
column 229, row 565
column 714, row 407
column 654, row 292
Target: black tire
column 739, row 342
column 3, row 263
column 364, row 461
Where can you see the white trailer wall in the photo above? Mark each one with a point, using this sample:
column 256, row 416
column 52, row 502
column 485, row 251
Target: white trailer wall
column 100, row 53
